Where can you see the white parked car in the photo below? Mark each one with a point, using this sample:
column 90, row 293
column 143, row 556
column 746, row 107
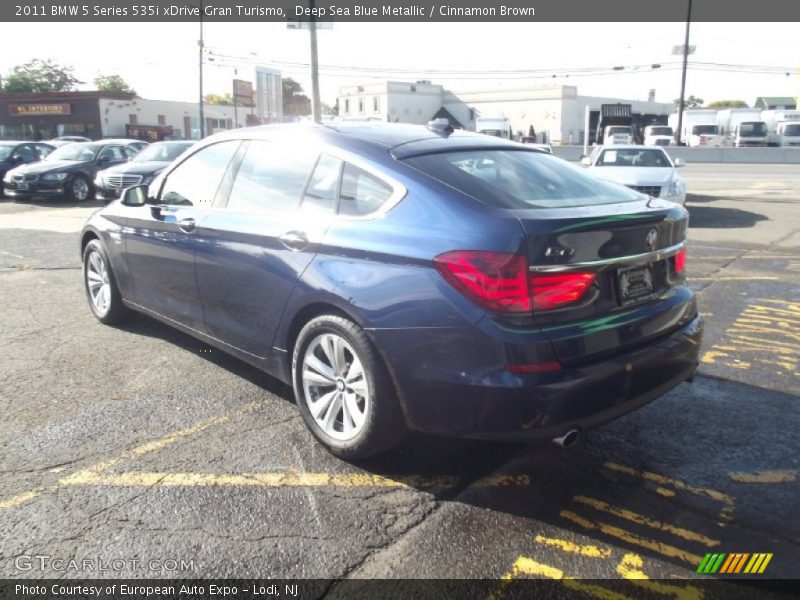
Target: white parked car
column 646, row 169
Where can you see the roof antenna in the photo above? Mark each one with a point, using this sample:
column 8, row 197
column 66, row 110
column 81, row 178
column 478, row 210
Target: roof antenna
column 440, row 127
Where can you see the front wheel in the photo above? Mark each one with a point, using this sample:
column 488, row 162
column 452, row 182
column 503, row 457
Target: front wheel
column 101, row 287
column 79, row 188
column 343, row 390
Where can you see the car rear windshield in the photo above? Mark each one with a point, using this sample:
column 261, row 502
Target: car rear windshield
column 661, row 131
column 520, row 179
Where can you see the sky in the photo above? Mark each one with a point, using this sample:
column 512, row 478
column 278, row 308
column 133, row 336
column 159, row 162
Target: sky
column 162, row 62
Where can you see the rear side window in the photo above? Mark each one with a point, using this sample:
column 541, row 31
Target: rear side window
column 361, row 193
column 271, row 178
column 520, row 179
column 320, row 194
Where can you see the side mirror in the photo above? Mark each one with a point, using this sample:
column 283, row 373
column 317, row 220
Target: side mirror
column 16, row 159
column 135, row 196
column 679, row 162
column 586, row 161
column 103, row 160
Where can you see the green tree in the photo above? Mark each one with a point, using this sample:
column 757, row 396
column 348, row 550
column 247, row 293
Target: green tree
column 295, row 102
column 728, row 104
column 327, row 109
column 219, row 99
column 690, row 102
column 112, row 83
column 40, row 76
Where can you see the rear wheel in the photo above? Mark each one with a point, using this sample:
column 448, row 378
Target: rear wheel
column 343, row 390
column 101, row 287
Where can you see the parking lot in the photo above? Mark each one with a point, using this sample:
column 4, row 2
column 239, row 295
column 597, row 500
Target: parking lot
column 142, row 443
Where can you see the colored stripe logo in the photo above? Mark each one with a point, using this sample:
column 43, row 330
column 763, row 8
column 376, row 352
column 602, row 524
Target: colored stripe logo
column 734, row 563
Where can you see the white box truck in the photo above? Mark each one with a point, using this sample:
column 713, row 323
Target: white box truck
column 496, row 126
column 698, row 128
column 658, row 135
column 783, row 127
column 742, row 126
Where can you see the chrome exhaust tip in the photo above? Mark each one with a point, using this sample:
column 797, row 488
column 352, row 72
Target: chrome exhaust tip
column 569, row 439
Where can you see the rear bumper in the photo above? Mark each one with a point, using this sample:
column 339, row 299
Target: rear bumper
column 496, row 404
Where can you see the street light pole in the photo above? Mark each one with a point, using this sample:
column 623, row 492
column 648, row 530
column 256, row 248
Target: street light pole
column 200, row 44
column 312, row 29
column 683, row 74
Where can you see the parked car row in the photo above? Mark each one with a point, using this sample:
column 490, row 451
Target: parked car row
column 82, row 170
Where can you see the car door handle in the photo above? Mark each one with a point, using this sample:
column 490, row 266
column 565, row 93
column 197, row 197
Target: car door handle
column 187, row 225
column 294, row 240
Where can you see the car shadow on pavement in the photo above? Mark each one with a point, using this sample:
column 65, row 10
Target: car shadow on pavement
column 716, row 217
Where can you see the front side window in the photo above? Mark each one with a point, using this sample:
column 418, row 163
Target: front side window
column 361, row 192
column 112, row 153
column 25, row 154
column 271, row 178
column 196, row 180
column 520, row 179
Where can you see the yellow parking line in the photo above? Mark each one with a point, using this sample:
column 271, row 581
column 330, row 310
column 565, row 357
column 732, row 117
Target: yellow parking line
column 642, row 520
column 566, row 546
column 137, row 452
column 765, row 477
column 631, row 568
column 677, row 484
column 278, row 479
column 23, row 498
column 527, row 566
column 625, row 536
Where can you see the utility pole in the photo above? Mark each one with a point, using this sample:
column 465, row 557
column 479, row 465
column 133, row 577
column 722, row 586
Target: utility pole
column 683, row 74
column 201, row 47
column 312, row 30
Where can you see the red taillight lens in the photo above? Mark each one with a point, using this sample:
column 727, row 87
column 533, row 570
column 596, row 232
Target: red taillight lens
column 500, row 282
column 554, row 290
column 497, row 281
column 680, row 260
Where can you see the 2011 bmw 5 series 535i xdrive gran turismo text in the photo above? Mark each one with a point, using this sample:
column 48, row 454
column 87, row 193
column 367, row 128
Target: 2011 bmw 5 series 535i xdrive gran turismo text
column 408, row 278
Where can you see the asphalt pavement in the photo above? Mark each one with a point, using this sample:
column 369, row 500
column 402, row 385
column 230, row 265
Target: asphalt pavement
column 139, row 442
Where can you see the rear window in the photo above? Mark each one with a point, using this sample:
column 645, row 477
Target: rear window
column 520, row 179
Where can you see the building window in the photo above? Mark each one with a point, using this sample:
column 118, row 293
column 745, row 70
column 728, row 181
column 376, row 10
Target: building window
column 347, row 106
column 376, row 104
column 471, row 114
column 162, row 120
column 133, row 119
column 361, row 106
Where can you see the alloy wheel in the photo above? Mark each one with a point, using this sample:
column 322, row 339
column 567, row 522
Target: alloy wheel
column 335, row 387
column 97, row 282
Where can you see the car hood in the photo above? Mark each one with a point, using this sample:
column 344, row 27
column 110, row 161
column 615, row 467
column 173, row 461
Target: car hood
column 48, row 166
column 138, row 168
column 636, row 175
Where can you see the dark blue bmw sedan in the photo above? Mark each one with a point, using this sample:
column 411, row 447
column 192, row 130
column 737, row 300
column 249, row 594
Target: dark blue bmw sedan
column 408, row 278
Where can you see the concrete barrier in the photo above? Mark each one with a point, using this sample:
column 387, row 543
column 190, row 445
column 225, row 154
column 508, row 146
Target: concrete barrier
column 709, row 155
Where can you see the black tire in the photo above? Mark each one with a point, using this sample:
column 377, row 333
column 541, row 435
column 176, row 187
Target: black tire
column 114, row 311
column 383, row 427
column 79, row 188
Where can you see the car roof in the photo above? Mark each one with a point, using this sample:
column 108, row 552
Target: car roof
column 399, row 139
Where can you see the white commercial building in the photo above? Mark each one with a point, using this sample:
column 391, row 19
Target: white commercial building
column 554, row 110
column 183, row 117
